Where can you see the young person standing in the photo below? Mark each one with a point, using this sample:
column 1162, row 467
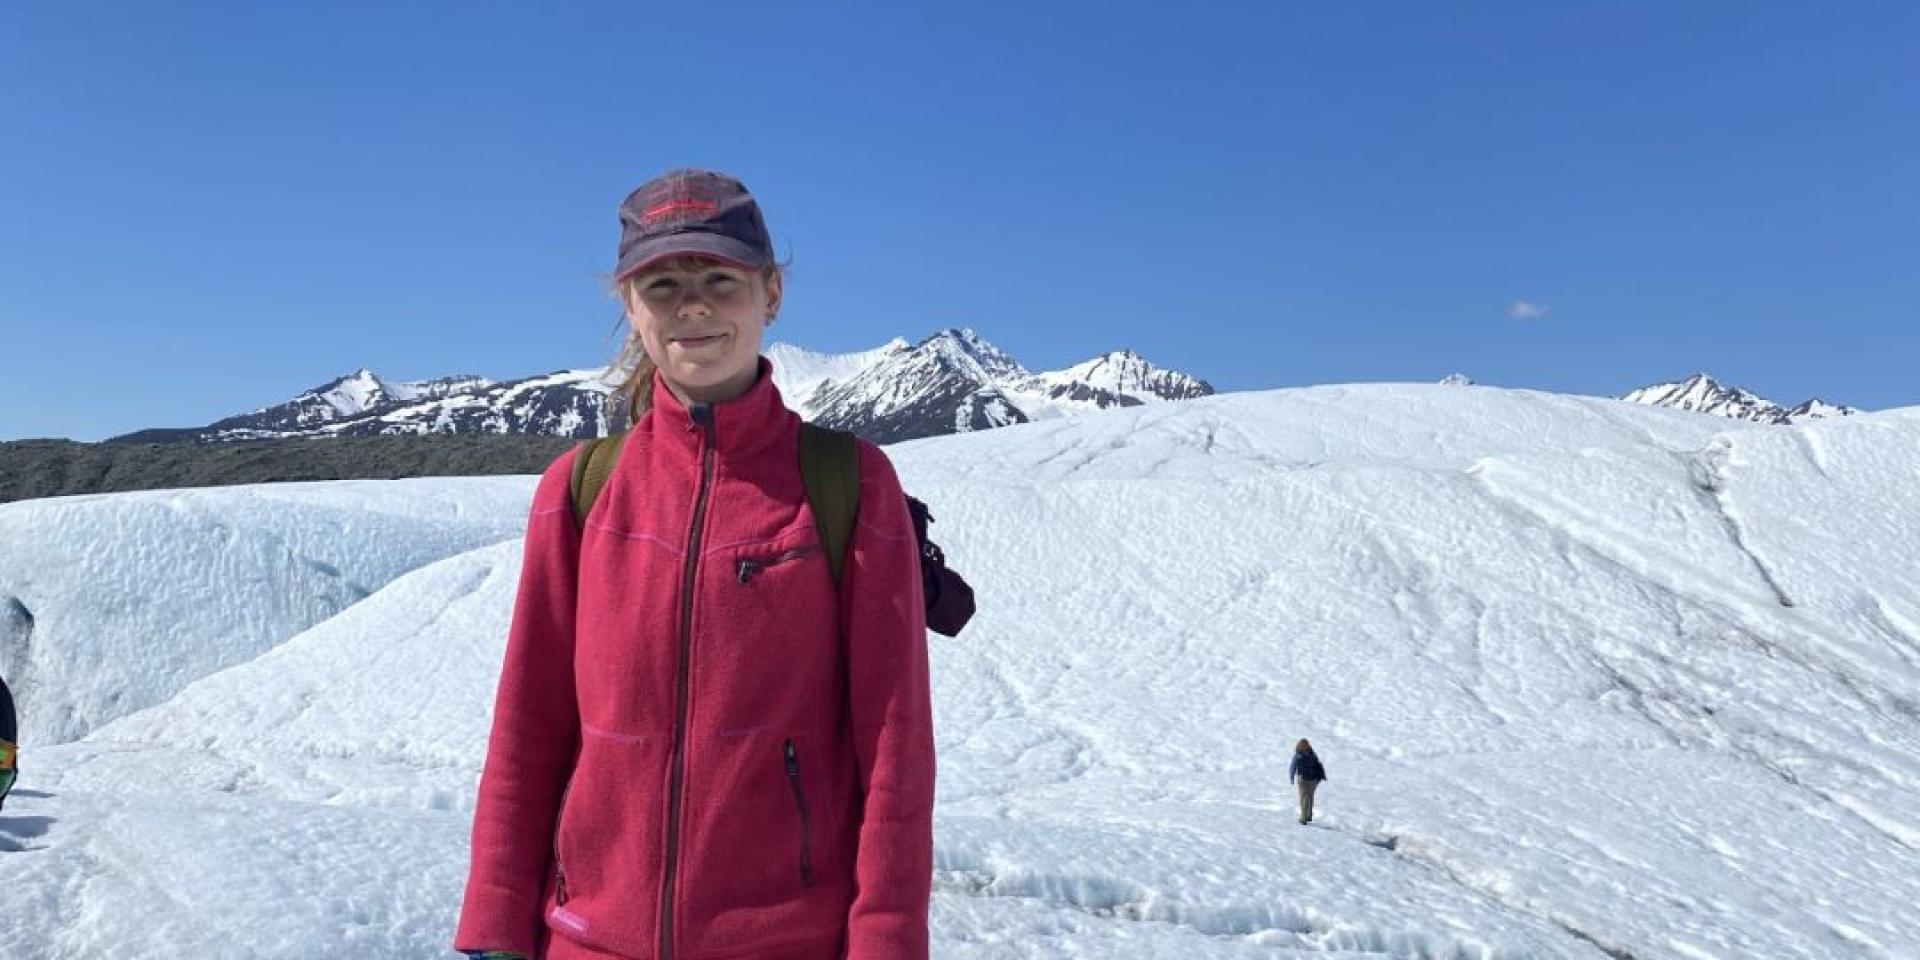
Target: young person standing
column 703, row 745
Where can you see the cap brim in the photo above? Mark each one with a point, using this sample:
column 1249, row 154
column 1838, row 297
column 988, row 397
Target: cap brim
column 722, row 248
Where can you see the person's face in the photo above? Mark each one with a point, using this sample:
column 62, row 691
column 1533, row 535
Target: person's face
column 702, row 322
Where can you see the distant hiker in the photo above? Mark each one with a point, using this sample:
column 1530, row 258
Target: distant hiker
column 713, row 734
column 9, row 740
column 1307, row 772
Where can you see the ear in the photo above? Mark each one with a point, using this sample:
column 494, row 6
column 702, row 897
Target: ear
column 776, row 288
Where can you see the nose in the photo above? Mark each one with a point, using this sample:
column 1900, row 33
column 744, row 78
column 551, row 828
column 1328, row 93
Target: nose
column 691, row 304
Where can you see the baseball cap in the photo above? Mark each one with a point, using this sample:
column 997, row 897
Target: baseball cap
column 691, row 211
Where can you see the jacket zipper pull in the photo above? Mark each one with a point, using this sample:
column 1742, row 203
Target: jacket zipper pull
column 559, row 865
column 806, row 823
column 747, row 569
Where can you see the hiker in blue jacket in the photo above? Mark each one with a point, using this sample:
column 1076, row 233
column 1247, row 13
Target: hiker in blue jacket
column 1307, row 772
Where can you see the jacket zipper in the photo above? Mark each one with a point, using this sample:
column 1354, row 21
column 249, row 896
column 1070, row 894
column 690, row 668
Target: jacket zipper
column 806, row 822
column 560, row 868
column 702, row 415
column 748, row 568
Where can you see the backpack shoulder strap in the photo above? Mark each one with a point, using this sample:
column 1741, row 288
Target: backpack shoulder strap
column 591, row 467
column 830, row 466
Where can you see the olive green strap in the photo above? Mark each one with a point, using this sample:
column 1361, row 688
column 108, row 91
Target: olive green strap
column 830, row 467
column 591, row 467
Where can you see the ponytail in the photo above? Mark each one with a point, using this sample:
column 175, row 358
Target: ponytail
column 631, row 374
column 638, row 389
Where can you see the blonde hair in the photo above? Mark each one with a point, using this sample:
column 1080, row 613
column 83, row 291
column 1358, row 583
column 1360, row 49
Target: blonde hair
column 632, row 371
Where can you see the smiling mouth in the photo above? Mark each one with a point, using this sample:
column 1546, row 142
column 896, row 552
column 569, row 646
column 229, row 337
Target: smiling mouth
column 698, row 341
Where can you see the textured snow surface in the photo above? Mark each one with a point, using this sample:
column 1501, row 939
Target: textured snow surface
column 113, row 603
column 1590, row 678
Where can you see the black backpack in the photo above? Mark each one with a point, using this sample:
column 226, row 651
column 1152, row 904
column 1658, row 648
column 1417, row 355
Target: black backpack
column 949, row 597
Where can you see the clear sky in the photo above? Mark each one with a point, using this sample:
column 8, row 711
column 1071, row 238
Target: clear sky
column 208, row 207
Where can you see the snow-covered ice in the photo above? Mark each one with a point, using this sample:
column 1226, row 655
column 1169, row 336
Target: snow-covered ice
column 1591, row 679
column 112, row 603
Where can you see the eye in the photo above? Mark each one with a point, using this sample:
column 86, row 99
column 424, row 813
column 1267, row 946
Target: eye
column 659, row 288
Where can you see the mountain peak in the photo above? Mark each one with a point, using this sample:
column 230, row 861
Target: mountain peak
column 956, row 381
column 1120, row 378
column 355, row 393
column 970, row 351
column 1701, row 393
column 963, row 337
column 1818, row 409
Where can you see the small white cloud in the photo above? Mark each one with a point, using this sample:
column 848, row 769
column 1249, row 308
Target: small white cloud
column 1527, row 310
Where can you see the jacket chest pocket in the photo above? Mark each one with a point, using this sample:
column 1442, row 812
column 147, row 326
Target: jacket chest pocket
column 777, row 594
column 747, row 568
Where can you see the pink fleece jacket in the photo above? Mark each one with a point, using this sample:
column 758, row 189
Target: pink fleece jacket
column 701, row 749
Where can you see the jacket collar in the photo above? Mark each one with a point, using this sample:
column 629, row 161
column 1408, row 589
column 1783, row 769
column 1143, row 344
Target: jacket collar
column 740, row 426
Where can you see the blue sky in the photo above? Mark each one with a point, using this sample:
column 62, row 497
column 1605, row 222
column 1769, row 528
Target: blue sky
column 208, row 207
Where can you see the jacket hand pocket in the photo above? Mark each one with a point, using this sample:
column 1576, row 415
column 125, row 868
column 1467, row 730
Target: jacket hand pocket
column 792, row 759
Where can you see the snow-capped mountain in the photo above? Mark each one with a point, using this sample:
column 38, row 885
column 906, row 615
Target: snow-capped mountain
column 565, row 403
column 956, row 382
column 322, row 411
column 952, row 382
column 435, row 389
column 799, row 373
column 1120, row 379
column 1703, row 394
column 1818, row 409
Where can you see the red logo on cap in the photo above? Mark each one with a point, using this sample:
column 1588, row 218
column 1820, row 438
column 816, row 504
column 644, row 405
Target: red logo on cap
column 684, row 200
column 683, row 209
